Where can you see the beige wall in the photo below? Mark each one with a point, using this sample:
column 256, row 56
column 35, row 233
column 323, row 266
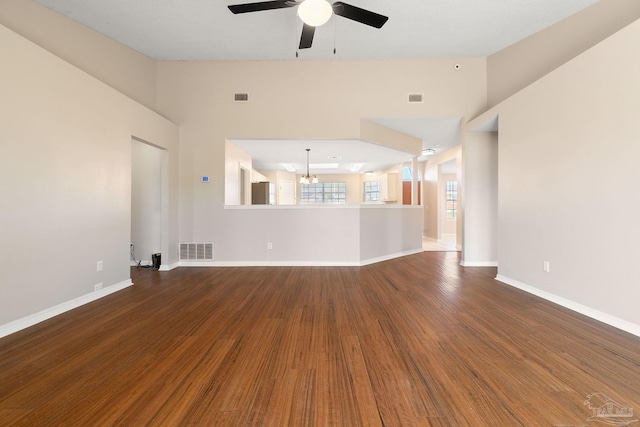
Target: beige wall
column 120, row 67
column 520, row 64
column 65, row 139
column 378, row 134
column 568, row 180
column 293, row 99
column 258, row 177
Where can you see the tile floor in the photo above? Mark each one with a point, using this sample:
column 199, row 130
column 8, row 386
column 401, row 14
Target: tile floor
column 447, row 243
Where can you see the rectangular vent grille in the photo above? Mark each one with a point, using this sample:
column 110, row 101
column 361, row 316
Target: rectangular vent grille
column 241, row 97
column 415, row 97
column 196, row 251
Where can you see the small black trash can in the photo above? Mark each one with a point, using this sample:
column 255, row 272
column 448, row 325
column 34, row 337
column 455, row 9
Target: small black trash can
column 155, row 258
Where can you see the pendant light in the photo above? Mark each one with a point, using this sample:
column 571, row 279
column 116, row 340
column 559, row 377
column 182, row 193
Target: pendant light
column 307, row 179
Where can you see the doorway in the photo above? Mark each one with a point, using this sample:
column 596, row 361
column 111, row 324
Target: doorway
column 448, row 211
column 407, row 181
column 146, row 202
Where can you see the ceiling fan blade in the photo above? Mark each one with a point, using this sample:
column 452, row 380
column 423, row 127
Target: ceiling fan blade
column 360, row 15
column 306, row 39
column 262, row 5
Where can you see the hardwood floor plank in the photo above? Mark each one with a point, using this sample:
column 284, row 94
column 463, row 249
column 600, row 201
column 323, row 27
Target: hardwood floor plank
column 359, row 385
column 281, row 399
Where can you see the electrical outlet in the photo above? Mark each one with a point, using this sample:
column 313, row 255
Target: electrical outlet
column 545, row 266
column 99, row 266
column 97, row 287
column 269, row 245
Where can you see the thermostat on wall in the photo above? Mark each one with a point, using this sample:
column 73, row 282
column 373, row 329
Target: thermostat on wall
column 204, row 179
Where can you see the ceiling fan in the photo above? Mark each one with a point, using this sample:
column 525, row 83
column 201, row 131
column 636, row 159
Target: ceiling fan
column 315, row 13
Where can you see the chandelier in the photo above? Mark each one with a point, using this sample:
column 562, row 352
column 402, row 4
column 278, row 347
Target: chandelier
column 308, row 179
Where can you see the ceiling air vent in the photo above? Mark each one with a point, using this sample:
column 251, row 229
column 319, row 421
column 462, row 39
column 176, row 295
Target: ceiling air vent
column 415, row 97
column 241, row 97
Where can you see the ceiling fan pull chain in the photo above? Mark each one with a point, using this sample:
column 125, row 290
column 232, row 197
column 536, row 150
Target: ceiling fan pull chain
column 335, row 30
column 295, row 40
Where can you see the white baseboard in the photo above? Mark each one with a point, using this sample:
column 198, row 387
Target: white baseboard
column 163, row 267
column 614, row 321
column 32, row 319
column 168, row 267
column 390, row 256
column 266, row 264
column 479, row 263
column 294, row 263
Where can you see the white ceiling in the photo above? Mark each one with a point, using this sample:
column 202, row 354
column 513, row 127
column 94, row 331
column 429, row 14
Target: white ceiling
column 207, row 30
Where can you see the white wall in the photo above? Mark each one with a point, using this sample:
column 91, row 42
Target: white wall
column 568, row 180
column 330, row 235
column 391, row 229
column 65, row 139
column 146, row 200
column 325, row 234
column 480, row 177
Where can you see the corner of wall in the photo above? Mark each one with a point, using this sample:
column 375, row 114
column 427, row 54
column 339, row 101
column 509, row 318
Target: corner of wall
column 517, row 66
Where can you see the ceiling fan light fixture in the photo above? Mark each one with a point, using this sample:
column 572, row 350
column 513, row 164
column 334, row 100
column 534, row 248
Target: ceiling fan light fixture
column 315, row 12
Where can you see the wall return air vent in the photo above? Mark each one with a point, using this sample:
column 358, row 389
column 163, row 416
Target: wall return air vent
column 192, row 251
column 416, row 97
column 241, row 97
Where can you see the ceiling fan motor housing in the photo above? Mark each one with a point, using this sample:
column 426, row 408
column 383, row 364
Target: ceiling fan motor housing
column 339, row 8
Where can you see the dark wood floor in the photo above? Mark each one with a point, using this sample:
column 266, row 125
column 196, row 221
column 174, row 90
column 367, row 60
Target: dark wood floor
column 416, row 341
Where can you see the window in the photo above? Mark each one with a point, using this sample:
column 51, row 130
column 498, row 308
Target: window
column 451, row 200
column 324, row 192
column 407, row 175
column 371, row 191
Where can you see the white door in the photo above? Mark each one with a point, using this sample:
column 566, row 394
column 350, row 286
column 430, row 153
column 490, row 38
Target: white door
column 287, row 193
